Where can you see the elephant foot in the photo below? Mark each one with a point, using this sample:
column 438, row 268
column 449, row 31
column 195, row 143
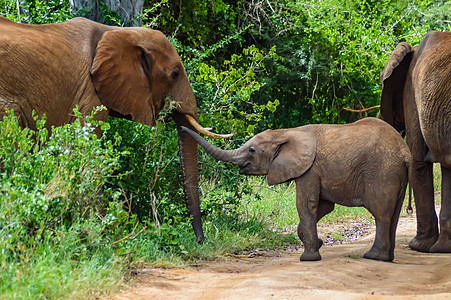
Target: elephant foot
column 376, row 255
column 310, row 256
column 443, row 245
column 422, row 244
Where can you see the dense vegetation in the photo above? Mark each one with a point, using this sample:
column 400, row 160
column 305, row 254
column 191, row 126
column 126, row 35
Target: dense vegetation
column 77, row 213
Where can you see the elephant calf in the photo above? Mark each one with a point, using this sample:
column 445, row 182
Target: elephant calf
column 360, row 164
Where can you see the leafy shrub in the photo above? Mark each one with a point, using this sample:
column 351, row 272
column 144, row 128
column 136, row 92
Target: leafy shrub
column 54, row 181
column 44, row 12
column 55, row 207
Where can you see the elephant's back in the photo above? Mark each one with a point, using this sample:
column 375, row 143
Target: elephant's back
column 42, row 68
column 367, row 137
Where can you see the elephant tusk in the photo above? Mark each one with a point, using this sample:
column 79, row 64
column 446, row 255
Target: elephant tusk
column 205, row 131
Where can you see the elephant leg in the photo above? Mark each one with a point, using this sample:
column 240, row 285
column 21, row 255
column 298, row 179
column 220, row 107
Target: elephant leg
column 385, row 209
column 307, row 200
column 423, row 190
column 443, row 243
column 324, row 208
column 420, row 179
column 381, row 247
column 395, row 219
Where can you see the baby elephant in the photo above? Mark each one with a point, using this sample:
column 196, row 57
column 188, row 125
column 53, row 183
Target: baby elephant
column 360, row 164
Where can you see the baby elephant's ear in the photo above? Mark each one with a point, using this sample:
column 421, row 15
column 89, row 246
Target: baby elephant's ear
column 294, row 156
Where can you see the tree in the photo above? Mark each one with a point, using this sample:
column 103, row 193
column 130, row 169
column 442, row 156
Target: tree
column 130, row 11
column 112, row 12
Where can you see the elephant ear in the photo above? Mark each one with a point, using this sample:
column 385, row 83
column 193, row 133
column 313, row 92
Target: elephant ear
column 295, row 154
column 121, row 75
column 393, row 78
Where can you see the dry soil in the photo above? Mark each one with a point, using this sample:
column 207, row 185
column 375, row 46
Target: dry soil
column 341, row 274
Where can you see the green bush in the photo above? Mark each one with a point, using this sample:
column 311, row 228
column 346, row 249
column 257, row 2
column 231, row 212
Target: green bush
column 56, row 180
column 55, row 207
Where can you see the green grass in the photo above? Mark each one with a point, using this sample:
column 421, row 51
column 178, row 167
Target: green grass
column 437, row 181
column 49, row 269
column 277, row 206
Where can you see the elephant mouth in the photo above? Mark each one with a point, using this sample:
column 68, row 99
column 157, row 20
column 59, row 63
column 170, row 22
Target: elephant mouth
column 244, row 168
column 249, row 170
column 116, row 114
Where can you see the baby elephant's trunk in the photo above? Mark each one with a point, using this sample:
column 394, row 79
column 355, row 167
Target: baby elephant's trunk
column 217, row 153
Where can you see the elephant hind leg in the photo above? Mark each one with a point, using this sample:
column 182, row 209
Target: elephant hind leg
column 443, row 243
column 384, row 242
column 381, row 247
column 421, row 180
column 395, row 219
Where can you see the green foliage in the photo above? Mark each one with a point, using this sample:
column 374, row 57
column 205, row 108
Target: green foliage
column 44, row 12
column 56, row 180
column 109, row 17
column 152, row 176
column 54, row 205
column 330, row 52
column 8, row 8
column 227, row 97
column 54, row 11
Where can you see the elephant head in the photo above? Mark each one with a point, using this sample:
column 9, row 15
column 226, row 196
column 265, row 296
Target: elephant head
column 134, row 70
column 280, row 154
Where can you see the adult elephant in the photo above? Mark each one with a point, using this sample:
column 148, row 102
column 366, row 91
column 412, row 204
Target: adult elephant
column 416, row 97
column 52, row 68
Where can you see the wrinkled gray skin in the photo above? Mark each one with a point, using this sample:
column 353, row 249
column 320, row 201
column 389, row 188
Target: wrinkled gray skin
column 416, row 97
column 360, row 164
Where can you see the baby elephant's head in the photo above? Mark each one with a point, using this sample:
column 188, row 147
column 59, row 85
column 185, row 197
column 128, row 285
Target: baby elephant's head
column 281, row 154
column 255, row 156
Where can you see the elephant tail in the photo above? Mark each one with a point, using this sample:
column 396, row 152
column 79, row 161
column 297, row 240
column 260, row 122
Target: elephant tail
column 409, row 205
column 410, row 171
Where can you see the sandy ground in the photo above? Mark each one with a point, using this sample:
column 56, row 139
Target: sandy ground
column 341, row 274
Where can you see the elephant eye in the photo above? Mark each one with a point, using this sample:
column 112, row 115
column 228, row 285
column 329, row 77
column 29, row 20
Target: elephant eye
column 175, row 75
column 251, row 150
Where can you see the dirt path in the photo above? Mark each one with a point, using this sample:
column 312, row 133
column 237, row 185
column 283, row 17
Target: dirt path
column 341, row 274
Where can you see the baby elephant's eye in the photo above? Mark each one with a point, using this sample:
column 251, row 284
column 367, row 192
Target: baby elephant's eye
column 251, row 150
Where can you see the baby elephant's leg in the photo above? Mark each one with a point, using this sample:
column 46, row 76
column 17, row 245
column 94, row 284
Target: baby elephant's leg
column 324, row 208
column 386, row 216
column 307, row 199
column 380, row 249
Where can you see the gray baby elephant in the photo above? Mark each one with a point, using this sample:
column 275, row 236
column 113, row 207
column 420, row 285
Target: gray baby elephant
column 360, row 164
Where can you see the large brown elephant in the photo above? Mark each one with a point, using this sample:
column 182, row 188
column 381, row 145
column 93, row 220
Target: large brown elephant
column 416, row 97
column 365, row 163
column 52, row 68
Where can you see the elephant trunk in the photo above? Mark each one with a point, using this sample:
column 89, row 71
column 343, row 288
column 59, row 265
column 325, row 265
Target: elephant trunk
column 188, row 160
column 215, row 152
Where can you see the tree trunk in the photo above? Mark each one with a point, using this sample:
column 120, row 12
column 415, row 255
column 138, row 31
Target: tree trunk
column 21, row 9
column 130, row 11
